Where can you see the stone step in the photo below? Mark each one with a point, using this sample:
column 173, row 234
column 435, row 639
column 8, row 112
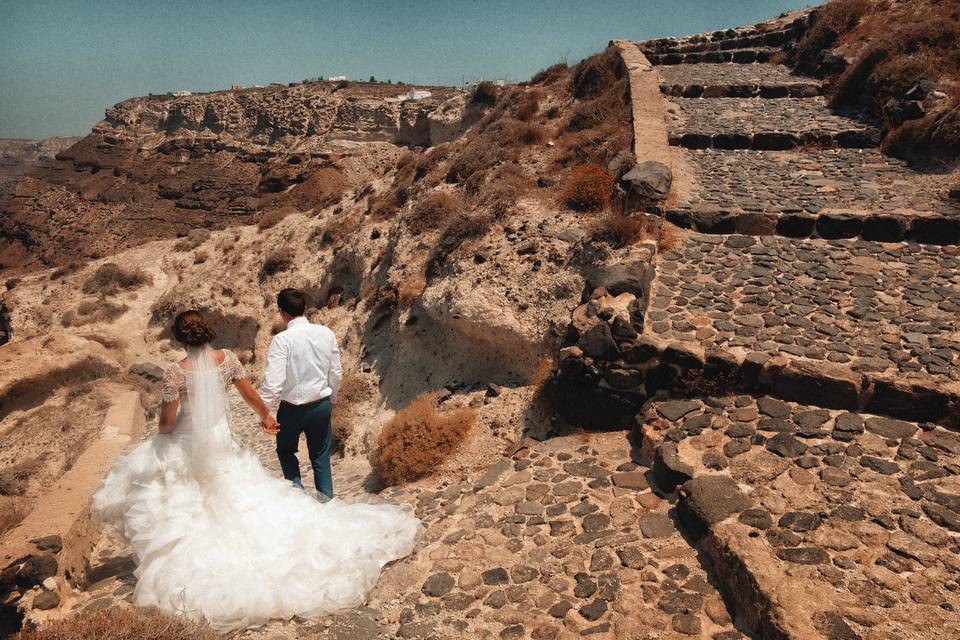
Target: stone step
column 877, row 227
column 755, row 40
column 728, row 80
column 768, row 91
column 767, row 125
column 775, row 140
column 854, row 325
column 739, row 56
column 819, row 524
column 833, row 193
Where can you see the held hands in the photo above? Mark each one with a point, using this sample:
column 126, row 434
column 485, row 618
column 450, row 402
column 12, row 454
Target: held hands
column 270, row 426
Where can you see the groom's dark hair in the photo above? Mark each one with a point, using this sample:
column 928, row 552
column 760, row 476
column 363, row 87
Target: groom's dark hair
column 293, row 302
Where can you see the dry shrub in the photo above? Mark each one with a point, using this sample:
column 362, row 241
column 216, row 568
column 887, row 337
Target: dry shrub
column 546, row 367
column 277, row 261
column 527, row 105
column 200, row 257
column 419, row 439
column 409, row 289
column 477, row 155
column 588, row 188
column 433, row 211
column 831, row 21
column 119, row 624
column 935, row 137
column 667, row 239
column 270, row 219
column 92, row 311
column 551, row 74
column 65, row 270
column 484, row 94
column 623, row 230
column 612, row 106
column 109, row 279
column 594, row 75
column 192, row 240
column 11, row 283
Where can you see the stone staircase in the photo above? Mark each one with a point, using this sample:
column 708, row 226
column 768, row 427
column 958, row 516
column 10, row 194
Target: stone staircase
column 770, row 157
column 790, row 359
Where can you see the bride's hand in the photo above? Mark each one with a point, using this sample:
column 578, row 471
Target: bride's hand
column 270, row 426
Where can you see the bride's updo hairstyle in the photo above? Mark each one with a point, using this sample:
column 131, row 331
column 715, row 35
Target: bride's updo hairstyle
column 190, row 328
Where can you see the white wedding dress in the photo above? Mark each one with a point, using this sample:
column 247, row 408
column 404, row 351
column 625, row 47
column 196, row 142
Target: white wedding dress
column 217, row 538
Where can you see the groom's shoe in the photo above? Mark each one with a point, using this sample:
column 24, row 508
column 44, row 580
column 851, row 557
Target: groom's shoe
column 296, row 482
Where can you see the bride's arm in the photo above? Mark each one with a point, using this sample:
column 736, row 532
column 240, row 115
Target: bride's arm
column 253, row 399
column 168, row 416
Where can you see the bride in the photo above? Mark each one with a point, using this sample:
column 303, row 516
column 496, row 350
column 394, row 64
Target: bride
column 214, row 535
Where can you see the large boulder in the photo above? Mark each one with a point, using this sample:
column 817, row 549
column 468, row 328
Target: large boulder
column 647, row 182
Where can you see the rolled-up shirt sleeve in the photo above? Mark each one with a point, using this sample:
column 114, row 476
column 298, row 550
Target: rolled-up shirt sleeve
column 335, row 374
column 276, row 371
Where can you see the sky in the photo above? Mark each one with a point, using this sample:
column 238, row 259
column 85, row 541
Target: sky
column 62, row 62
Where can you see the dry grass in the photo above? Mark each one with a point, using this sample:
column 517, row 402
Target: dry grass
column 409, row 289
column 110, row 278
column 588, row 188
column 272, row 218
column 546, row 367
column 594, row 75
column 93, row 311
column 419, row 439
column 623, row 230
column 551, row 74
column 433, row 212
column 667, row 239
column 484, row 94
column 192, row 240
column 120, row 624
column 277, row 261
column 528, row 105
column 896, row 47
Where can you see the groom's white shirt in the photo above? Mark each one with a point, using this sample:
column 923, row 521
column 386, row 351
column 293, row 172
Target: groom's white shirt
column 303, row 364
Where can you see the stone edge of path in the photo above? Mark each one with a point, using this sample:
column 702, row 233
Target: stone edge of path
column 64, row 511
column 650, row 131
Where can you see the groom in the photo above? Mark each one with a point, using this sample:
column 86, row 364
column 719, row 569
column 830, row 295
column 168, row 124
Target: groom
column 303, row 370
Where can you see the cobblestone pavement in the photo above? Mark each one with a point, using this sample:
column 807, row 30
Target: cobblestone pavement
column 849, row 521
column 879, row 308
column 856, row 180
column 736, row 115
column 563, row 539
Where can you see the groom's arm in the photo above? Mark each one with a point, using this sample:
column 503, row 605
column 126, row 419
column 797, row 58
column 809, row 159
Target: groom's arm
column 276, row 371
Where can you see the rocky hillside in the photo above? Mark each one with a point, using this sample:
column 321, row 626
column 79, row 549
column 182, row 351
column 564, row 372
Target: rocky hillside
column 159, row 166
column 699, row 331
column 19, row 156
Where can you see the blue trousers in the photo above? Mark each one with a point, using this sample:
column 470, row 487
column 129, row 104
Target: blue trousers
column 313, row 420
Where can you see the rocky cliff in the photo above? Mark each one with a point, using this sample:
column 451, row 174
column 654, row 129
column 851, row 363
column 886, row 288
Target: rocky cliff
column 159, row 166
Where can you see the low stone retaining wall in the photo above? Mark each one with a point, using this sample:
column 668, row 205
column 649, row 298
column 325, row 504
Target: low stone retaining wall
column 49, row 552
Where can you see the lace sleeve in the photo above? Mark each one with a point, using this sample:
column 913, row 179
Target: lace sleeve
column 174, row 383
column 232, row 369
